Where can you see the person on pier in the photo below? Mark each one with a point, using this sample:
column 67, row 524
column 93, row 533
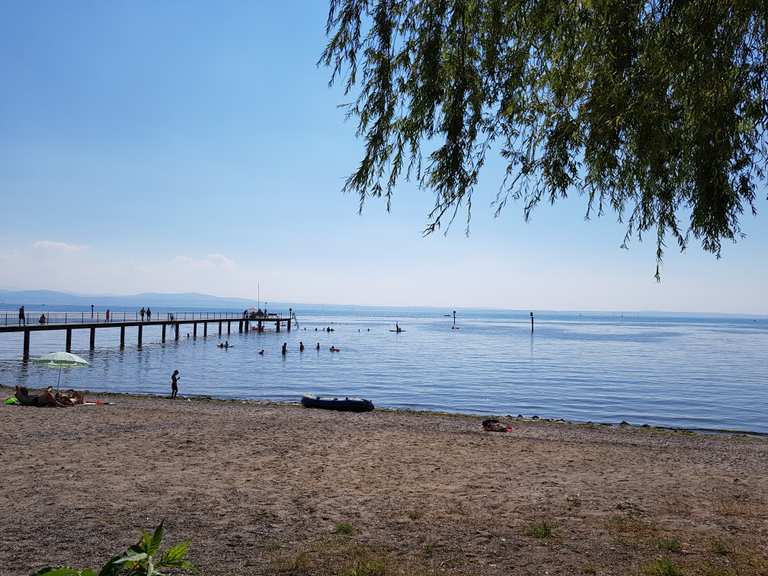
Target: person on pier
column 22, row 316
column 141, row 313
column 149, row 314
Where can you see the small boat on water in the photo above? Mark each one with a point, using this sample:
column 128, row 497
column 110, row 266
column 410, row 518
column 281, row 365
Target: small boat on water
column 345, row 404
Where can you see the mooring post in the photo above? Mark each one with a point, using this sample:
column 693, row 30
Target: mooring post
column 205, row 329
column 68, row 346
column 219, row 328
column 163, row 336
column 93, row 339
column 122, row 337
column 141, row 330
column 25, row 354
column 531, row 322
column 194, row 330
column 290, row 315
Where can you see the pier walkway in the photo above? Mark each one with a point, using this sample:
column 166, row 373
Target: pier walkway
column 69, row 321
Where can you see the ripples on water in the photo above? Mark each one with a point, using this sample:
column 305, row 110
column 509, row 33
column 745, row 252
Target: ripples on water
column 690, row 372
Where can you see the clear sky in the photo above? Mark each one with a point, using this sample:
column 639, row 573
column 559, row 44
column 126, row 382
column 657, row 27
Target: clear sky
column 195, row 147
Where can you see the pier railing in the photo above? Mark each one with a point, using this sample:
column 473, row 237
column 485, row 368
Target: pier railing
column 33, row 317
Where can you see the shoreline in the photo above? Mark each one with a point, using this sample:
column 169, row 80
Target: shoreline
column 6, row 391
column 262, row 487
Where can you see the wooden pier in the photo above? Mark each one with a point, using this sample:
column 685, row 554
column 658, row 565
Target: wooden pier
column 68, row 322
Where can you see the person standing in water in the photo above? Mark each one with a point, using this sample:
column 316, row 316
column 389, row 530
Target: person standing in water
column 317, row 347
column 301, row 346
column 284, row 351
column 175, row 384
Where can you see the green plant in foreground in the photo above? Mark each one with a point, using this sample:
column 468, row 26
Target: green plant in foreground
column 662, row 567
column 141, row 559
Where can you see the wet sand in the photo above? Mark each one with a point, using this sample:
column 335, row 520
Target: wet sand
column 264, row 488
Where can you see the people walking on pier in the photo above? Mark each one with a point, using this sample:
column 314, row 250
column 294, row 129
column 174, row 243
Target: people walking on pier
column 22, row 316
column 149, row 314
column 42, row 318
column 106, row 316
column 91, row 310
column 141, row 313
column 175, row 383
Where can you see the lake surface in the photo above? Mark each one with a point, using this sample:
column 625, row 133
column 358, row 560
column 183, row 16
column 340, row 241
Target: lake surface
column 693, row 372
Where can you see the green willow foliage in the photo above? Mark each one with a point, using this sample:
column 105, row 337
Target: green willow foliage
column 656, row 110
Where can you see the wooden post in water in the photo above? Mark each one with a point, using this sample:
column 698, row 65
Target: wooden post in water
column 92, row 344
column 141, row 329
column 25, row 353
column 240, row 326
column 229, row 327
column 163, row 336
column 205, row 329
column 277, row 325
column 531, row 322
column 122, row 337
column 194, row 330
column 219, row 328
column 290, row 315
column 247, row 325
column 176, row 334
column 68, row 346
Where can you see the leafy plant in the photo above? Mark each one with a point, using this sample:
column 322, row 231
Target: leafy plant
column 344, row 528
column 540, row 530
column 141, row 559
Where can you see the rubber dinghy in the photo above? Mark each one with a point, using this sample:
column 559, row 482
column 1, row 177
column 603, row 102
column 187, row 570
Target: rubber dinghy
column 345, row 404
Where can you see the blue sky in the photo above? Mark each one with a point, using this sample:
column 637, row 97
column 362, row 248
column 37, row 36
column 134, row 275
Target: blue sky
column 195, row 146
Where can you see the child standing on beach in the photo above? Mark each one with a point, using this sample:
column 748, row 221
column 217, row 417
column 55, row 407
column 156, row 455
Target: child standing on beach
column 175, row 384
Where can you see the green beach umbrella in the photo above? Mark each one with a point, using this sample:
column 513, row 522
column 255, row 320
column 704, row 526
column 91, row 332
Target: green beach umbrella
column 61, row 360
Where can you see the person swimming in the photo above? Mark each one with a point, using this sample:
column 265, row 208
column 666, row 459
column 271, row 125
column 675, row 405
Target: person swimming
column 334, row 349
column 261, row 352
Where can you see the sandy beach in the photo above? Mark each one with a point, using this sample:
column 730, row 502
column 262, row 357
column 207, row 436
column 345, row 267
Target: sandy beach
column 263, row 488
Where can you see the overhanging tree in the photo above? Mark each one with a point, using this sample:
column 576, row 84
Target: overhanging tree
column 655, row 110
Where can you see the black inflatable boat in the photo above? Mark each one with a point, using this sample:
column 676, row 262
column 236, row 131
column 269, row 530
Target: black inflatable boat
column 345, row 404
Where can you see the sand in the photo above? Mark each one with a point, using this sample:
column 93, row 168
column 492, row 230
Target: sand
column 264, row 488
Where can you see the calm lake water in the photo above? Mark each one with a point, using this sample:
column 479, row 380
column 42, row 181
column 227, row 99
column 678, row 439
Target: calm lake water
column 694, row 372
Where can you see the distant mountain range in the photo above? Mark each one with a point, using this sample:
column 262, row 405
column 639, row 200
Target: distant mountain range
column 33, row 298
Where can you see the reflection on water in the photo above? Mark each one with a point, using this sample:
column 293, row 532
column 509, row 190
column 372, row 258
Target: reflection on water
column 693, row 372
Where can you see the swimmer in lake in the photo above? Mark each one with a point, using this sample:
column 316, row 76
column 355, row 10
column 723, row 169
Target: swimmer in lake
column 261, row 352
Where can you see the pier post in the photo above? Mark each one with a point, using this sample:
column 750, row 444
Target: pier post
column 219, row 328
column 290, row 316
column 531, row 322
column 194, row 330
column 176, row 334
column 205, row 329
column 289, row 324
column 247, row 325
column 163, row 336
column 229, row 327
column 259, row 327
column 141, row 329
column 240, row 326
column 68, row 346
column 277, row 325
column 92, row 344
column 25, row 354
column 122, row 337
